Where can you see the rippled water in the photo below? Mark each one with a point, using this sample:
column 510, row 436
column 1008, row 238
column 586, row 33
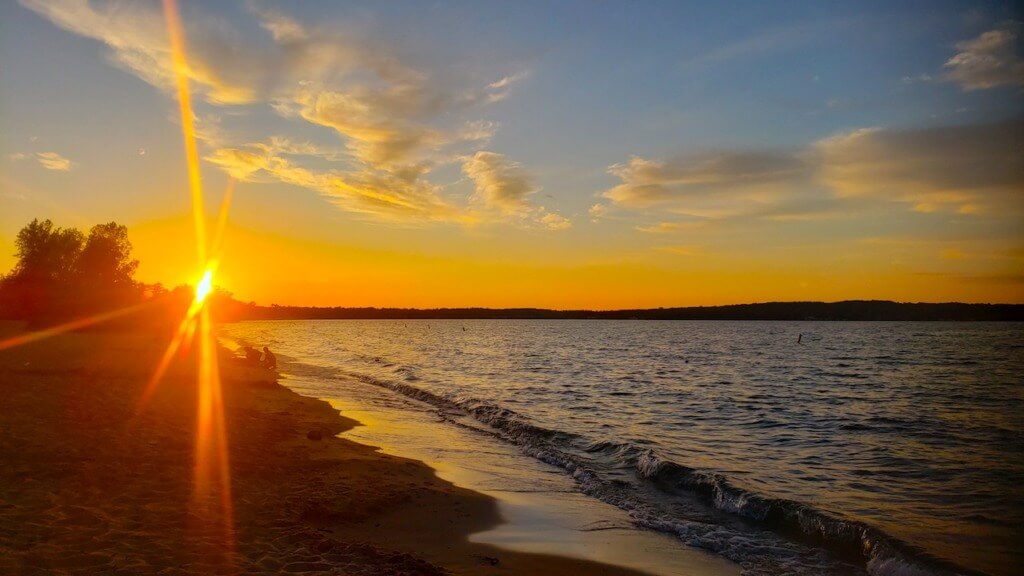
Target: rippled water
column 868, row 447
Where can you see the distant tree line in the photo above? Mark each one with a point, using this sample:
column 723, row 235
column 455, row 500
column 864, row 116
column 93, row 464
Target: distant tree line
column 62, row 273
column 852, row 310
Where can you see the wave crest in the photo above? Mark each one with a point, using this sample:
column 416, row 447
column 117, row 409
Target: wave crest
column 787, row 536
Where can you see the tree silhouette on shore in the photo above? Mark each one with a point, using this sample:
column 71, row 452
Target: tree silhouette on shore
column 61, row 272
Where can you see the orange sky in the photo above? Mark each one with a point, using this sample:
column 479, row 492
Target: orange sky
column 269, row 268
column 460, row 167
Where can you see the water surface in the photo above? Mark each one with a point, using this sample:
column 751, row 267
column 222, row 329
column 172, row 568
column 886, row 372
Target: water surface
column 880, row 447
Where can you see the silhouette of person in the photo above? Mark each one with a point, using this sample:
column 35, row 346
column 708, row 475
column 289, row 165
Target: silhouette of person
column 269, row 360
column 251, row 355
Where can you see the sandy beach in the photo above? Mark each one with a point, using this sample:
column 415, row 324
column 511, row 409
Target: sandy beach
column 91, row 483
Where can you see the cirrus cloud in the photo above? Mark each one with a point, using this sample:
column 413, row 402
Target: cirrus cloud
column 388, row 195
column 995, row 58
column 963, row 169
column 54, row 161
column 502, row 185
column 692, row 179
column 953, row 168
column 499, row 182
column 394, row 122
column 716, row 185
column 553, row 221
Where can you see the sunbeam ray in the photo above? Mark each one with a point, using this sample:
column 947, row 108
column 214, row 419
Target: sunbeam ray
column 77, row 324
column 211, row 452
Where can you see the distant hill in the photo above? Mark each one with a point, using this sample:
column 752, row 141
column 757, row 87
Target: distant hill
column 853, row 310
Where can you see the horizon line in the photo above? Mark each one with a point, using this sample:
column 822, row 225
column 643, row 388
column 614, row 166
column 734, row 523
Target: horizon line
column 634, row 309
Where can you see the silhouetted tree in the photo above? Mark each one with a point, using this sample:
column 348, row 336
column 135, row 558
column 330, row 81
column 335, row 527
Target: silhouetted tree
column 46, row 254
column 156, row 290
column 105, row 261
column 104, row 268
column 61, row 273
column 223, row 305
column 45, row 268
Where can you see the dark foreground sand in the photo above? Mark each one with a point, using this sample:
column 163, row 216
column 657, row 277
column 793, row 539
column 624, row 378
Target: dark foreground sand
column 90, row 484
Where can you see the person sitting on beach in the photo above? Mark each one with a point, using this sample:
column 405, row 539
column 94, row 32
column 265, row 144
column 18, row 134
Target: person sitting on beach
column 269, row 360
column 251, row 356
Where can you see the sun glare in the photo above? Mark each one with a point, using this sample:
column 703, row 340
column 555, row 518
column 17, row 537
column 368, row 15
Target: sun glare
column 205, row 286
column 212, row 466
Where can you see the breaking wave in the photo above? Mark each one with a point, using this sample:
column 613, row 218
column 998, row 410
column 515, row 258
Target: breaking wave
column 705, row 509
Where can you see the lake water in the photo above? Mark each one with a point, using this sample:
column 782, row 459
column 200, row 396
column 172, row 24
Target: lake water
column 886, row 448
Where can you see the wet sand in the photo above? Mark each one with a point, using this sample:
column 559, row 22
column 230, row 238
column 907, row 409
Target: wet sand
column 542, row 509
column 92, row 484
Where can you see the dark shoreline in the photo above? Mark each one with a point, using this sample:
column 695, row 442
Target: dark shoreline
column 849, row 310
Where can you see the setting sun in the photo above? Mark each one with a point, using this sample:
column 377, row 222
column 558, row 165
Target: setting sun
column 204, row 286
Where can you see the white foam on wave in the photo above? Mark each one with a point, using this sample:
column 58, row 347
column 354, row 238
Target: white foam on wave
column 760, row 552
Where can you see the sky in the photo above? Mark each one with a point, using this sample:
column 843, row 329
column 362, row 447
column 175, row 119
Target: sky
column 554, row 154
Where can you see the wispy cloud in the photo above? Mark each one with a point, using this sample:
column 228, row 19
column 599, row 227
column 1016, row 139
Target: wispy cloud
column 499, row 90
column 504, row 186
column 553, row 221
column 965, row 169
column 394, row 122
column 499, row 182
column 993, row 59
column 598, row 212
column 959, row 169
column 54, row 161
column 389, row 195
column 136, row 37
column 711, row 185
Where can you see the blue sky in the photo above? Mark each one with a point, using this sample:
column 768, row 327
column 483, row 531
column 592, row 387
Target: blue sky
column 544, row 133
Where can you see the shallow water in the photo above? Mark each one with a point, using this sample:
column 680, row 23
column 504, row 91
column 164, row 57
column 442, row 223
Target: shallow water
column 542, row 511
column 868, row 447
